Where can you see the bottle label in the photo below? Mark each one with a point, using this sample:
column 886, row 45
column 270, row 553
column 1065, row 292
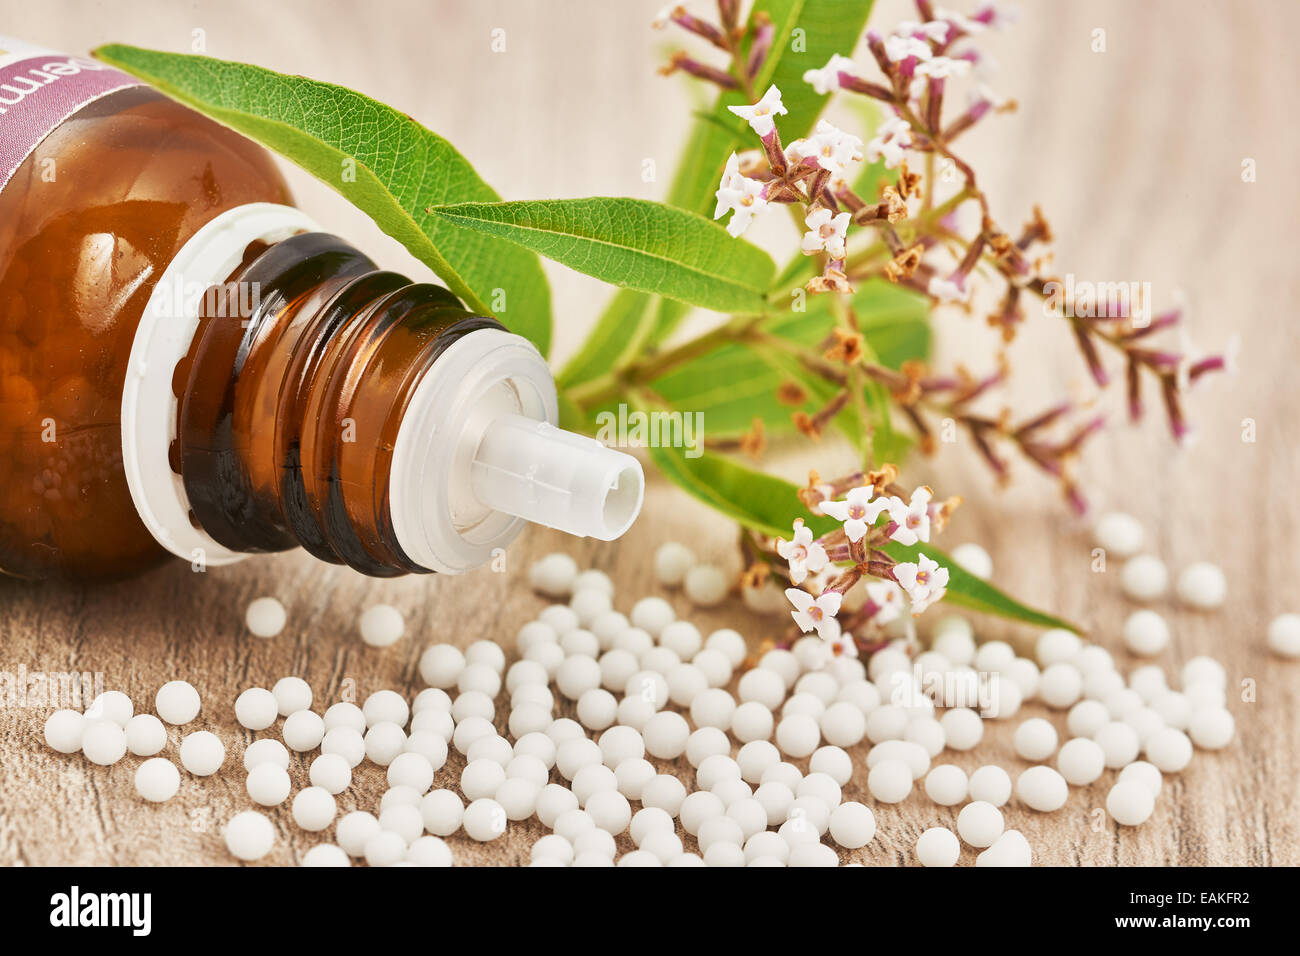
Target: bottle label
column 39, row 89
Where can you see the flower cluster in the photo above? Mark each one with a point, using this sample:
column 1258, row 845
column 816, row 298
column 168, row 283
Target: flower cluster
column 915, row 237
column 871, row 511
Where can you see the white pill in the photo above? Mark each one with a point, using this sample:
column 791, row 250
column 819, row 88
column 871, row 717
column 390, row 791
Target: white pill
column 157, row 779
column 332, row 772
column 705, row 585
column 1169, row 749
column 1211, row 728
column 249, row 835
column 1284, row 635
column 355, row 829
column 384, row 740
column 589, row 604
column 442, row 812
column 268, row 784
column 890, row 781
column 1042, row 789
column 381, row 625
column 1144, row 773
column 347, row 743
column 1202, row 585
column 385, row 848
column 666, row 734
column 266, row 750
column 1146, row 633
column 314, row 808
column 798, row 735
column 325, row 855
column 1087, row 717
column 145, row 735
column 202, row 753
column 256, row 708
column 665, row 792
column 292, row 694
column 1081, row 761
column 177, row 702
column 1011, row 849
column 594, row 579
column 1130, row 803
column 994, row 656
column 990, row 784
column 979, row 824
column 947, row 785
column 844, row 724
column 265, row 617
column 1120, row 534
column 1035, row 739
column 1057, row 646
column 671, row 562
column 303, row 731
column 937, row 846
column 852, row 825
column 1173, row 709
column 731, row 643
column 553, row 575
column 64, row 730
column 386, row 706
column 112, row 705
column 962, row 727
column 752, row 721
column 1144, row 577
column 518, row 797
column 1119, row 742
column 652, row 615
column 1060, row 686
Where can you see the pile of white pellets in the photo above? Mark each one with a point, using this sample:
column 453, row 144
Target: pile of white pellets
column 767, row 741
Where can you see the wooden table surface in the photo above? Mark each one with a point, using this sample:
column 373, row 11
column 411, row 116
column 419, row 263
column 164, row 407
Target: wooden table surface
column 1135, row 154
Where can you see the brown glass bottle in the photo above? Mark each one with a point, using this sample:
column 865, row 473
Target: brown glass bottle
column 306, row 375
column 134, row 175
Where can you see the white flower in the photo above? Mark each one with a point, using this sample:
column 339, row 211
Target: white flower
column 936, row 30
column 943, row 66
column 843, row 646
column 761, row 115
column 803, row 553
column 924, row 582
column 946, row 291
column 903, row 47
column 888, row 599
column 891, row 137
column 825, row 232
column 827, row 78
column 740, row 195
column 818, row 614
column 857, row 511
column 913, row 519
column 834, row 149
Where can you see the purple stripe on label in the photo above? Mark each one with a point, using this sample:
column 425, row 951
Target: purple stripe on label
column 39, row 93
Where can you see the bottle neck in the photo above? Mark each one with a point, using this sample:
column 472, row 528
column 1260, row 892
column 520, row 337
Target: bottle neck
column 321, row 402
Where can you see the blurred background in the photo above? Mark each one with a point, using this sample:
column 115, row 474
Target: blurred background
column 1135, row 155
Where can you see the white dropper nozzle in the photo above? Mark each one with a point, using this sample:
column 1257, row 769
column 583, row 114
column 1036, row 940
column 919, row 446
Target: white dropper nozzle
column 478, row 454
column 556, row 478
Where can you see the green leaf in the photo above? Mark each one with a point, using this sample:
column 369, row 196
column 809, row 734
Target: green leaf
column 966, row 590
column 633, row 243
column 401, row 168
column 827, row 28
column 735, row 383
column 769, row 506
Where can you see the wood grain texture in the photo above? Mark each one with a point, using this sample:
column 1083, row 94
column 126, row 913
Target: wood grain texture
column 1135, row 154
